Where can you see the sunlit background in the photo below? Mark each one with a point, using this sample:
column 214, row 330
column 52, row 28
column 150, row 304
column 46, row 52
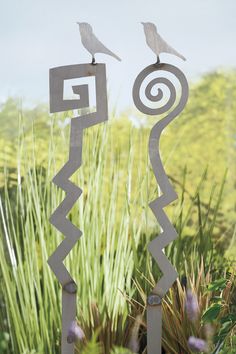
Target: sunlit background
column 37, row 35
column 111, row 263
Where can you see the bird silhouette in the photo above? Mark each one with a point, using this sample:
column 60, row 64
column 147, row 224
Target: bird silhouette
column 92, row 43
column 157, row 44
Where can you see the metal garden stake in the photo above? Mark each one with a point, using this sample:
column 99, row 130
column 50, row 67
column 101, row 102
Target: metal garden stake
column 58, row 103
column 173, row 107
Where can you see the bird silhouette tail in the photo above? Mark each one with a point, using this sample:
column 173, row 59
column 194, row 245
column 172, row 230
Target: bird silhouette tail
column 171, row 50
column 115, row 56
column 178, row 55
column 182, row 57
column 174, row 52
column 109, row 52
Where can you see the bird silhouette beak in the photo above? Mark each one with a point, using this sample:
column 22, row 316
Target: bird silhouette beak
column 78, row 23
column 142, row 23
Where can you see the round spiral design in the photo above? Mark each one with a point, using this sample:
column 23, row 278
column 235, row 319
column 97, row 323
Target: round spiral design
column 173, row 107
column 159, row 95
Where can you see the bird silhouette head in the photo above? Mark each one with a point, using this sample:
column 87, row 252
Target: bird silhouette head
column 149, row 26
column 84, row 27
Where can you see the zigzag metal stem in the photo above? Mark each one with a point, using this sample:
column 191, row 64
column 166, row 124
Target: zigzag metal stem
column 58, row 218
column 71, row 232
column 168, row 234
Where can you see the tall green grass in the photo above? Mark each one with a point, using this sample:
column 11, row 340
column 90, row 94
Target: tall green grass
column 102, row 263
column 110, row 263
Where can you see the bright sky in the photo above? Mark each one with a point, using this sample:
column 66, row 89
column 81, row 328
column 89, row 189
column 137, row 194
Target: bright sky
column 37, row 35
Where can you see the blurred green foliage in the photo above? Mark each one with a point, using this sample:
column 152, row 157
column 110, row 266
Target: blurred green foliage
column 201, row 141
column 198, row 149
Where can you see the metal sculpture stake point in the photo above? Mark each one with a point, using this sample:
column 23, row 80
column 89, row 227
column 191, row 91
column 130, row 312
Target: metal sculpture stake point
column 62, row 179
column 168, row 234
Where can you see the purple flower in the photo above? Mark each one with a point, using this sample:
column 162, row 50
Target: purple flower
column 75, row 333
column 191, row 306
column 197, row 344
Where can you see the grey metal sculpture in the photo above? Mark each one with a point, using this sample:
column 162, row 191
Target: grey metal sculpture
column 157, row 44
column 92, row 43
column 173, row 106
column 62, row 179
